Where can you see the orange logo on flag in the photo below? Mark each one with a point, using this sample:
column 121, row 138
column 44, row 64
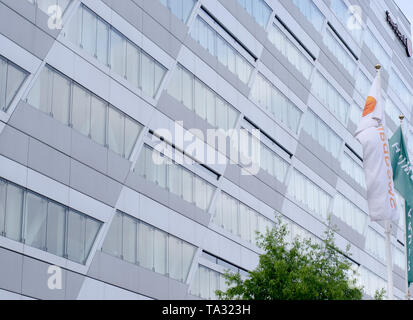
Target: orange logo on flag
column 370, row 106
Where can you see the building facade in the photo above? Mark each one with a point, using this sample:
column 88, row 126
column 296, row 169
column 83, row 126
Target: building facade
column 91, row 88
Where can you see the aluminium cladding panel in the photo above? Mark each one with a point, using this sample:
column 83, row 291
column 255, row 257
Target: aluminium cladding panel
column 27, row 276
column 135, row 278
column 23, row 32
column 147, row 24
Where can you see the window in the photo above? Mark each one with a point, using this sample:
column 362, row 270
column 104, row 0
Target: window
column 206, row 282
column 311, row 12
column 353, row 169
column 290, row 50
column 175, row 178
column 309, row 194
column 398, row 86
column 392, row 111
column 90, row 115
column 91, row 33
column 270, row 98
column 238, row 219
column 363, row 84
column 11, row 79
column 344, row 14
column 48, row 226
column 180, row 8
column 370, row 282
column 340, row 52
column 226, row 54
column 258, row 9
column 148, row 247
column 199, row 98
column 376, row 49
column 351, row 215
column 330, row 97
column 375, row 244
column 323, row 134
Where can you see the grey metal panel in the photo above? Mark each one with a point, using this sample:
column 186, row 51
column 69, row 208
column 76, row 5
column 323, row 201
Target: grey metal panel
column 118, row 167
column 74, row 282
column 285, row 75
column 14, row 144
column 93, row 183
column 89, row 152
column 11, row 270
column 21, row 31
column 24, row 8
column 323, row 164
column 42, row 127
column 347, row 232
column 35, row 280
column 49, row 161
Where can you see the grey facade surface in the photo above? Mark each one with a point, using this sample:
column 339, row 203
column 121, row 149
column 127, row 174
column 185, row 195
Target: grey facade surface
column 90, row 87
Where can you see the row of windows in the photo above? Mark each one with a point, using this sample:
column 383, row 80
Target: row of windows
column 400, row 88
column 347, row 212
column 330, row 97
column 226, row 54
column 199, row 98
column 346, row 17
column 228, row 266
column 238, row 219
column 270, row 98
column 180, row 8
column 139, row 243
column 311, row 12
column 273, row 164
column 290, row 51
column 110, row 47
column 363, row 84
column 45, row 4
column 11, row 79
column 206, row 282
column 376, row 48
column 309, row 194
column 339, row 52
column 371, row 282
column 353, row 169
column 392, row 111
column 295, row 231
column 169, row 175
column 375, row 244
column 399, row 258
column 72, row 105
column 44, row 224
column 321, row 133
column 258, row 9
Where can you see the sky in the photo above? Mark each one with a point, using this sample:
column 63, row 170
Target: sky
column 407, row 7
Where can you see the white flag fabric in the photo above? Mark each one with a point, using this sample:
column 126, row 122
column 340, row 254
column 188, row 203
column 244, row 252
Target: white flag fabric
column 378, row 171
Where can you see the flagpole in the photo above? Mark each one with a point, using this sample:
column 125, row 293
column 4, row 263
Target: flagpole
column 388, row 228
column 401, row 117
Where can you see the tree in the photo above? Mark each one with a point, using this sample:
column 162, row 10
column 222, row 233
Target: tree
column 301, row 270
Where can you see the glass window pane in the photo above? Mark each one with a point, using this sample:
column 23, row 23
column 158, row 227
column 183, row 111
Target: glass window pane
column 175, row 258
column 145, row 246
column 74, row 28
column 116, row 131
column 61, row 98
column 98, row 120
column 113, row 239
column 175, row 179
column 200, row 99
column 14, row 209
column 3, row 186
column 210, row 108
column 132, row 130
column 55, row 238
column 175, row 85
column 188, row 253
column 3, row 83
column 129, row 239
column 148, row 75
column 200, row 193
column 15, row 78
column 89, row 32
column 35, row 221
column 187, row 98
column 76, row 228
column 40, row 95
column 81, row 110
column 92, row 229
column 132, row 64
column 160, row 239
column 102, row 42
column 159, row 74
column 117, row 53
column 187, row 185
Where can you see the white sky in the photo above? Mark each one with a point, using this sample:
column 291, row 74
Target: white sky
column 407, row 7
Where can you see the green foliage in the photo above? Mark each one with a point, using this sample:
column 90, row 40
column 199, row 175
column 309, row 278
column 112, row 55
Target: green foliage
column 301, row 270
column 379, row 294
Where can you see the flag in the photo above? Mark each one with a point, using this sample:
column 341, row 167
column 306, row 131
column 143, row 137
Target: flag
column 403, row 182
column 371, row 133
